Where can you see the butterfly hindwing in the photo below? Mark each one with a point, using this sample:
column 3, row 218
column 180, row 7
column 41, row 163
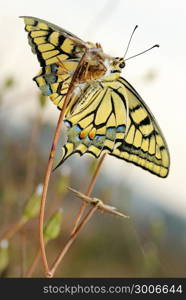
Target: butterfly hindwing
column 96, row 124
column 53, row 83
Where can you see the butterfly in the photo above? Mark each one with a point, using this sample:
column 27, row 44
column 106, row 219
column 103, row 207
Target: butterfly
column 105, row 113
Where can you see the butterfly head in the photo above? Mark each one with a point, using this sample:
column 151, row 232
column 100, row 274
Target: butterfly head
column 118, row 64
column 114, row 68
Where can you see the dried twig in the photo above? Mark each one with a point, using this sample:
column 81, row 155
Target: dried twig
column 88, row 192
column 34, row 263
column 13, row 229
column 71, row 240
column 100, row 205
column 97, row 204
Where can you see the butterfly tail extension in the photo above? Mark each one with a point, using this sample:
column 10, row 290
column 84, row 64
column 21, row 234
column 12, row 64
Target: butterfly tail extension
column 67, row 151
column 74, row 142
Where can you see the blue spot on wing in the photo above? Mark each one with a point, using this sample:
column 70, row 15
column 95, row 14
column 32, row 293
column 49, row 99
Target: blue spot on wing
column 46, row 90
column 88, row 139
column 121, row 128
column 54, row 68
column 77, row 128
column 110, row 129
column 111, row 133
column 50, row 78
column 98, row 141
column 99, row 137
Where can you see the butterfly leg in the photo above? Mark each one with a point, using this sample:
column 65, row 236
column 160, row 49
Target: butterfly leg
column 61, row 64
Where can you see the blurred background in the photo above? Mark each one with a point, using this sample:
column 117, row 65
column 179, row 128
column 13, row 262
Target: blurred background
column 153, row 241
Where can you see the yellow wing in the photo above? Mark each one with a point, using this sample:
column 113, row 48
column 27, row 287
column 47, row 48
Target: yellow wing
column 58, row 52
column 94, row 124
column 111, row 117
column 144, row 144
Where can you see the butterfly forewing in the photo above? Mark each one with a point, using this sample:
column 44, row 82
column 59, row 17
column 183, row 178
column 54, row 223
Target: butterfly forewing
column 51, row 42
column 58, row 52
column 144, row 144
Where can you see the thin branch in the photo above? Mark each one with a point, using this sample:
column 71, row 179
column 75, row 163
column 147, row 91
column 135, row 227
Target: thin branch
column 13, row 229
column 67, row 245
column 88, row 192
column 101, row 206
column 34, row 263
column 50, row 164
column 71, row 240
column 78, row 226
column 23, row 253
column 95, row 175
column 45, row 187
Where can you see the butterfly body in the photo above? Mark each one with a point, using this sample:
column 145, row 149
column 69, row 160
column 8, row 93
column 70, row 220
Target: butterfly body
column 105, row 113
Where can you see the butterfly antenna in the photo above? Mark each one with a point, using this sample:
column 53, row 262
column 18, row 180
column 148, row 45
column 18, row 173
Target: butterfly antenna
column 130, row 40
column 155, row 46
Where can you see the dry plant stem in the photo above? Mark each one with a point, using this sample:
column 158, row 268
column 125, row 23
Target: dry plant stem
column 88, row 192
column 23, row 253
column 13, row 230
column 71, row 240
column 50, row 164
column 45, row 188
column 94, row 177
column 34, row 263
column 67, row 245
column 100, row 204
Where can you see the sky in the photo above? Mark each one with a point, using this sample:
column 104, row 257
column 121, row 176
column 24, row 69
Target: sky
column 111, row 23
